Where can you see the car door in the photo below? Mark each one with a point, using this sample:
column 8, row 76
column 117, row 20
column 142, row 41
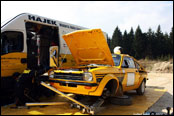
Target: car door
column 141, row 73
column 131, row 74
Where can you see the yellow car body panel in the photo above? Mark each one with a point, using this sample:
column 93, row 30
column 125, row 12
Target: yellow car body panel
column 93, row 58
column 80, row 89
column 100, row 88
column 85, row 49
column 69, row 60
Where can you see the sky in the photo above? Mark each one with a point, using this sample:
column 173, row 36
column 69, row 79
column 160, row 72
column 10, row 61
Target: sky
column 106, row 15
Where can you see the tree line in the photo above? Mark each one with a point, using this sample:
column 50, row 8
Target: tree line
column 151, row 45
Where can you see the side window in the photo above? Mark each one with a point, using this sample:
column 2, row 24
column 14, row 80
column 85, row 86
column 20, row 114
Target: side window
column 116, row 59
column 137, row 65
column 128, row 62
column 131, row 63
column 125, row 63
column 11, row 41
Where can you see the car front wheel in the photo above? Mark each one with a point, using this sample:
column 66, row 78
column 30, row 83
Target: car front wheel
column 141, row 89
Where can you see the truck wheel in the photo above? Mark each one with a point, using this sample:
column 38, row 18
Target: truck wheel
column 26, row 91
column 7, row 90
column 122, row 100
column 141, row 89
column 16, row 75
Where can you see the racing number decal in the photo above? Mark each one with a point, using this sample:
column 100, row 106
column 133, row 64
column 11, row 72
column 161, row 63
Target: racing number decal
column 130, row 79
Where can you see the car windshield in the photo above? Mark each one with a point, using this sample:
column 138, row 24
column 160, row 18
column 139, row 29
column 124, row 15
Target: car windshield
column 116, row 59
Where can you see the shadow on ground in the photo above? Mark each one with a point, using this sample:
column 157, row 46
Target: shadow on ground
column 166, row 100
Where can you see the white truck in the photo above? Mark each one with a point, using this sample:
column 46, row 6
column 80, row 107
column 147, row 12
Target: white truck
column 32, row 41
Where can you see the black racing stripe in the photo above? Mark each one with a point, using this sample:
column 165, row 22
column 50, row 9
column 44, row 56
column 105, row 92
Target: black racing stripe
column 76, row 83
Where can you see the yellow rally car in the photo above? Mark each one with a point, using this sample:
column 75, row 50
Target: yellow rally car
column 98, row 72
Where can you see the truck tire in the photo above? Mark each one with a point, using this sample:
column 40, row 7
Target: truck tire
column 16, row 75
column 123, row 100
column 141, row 89
column 27, row 91
column 24, row 84
column 7, row 90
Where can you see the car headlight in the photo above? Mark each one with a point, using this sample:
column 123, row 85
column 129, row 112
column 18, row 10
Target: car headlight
column 87, row 76
column 51, row 75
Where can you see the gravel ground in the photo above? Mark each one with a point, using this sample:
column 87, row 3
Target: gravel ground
column 162, row 81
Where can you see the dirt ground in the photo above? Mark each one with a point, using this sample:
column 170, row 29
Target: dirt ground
column 164, row 81
column 158, row 66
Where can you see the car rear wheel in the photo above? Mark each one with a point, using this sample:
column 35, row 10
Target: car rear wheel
column 141, row 89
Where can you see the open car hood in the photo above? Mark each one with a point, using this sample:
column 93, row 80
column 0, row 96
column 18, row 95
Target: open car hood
column 89, row 47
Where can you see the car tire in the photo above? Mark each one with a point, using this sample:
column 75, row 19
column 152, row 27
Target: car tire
column 123, row 100
column 141, row 89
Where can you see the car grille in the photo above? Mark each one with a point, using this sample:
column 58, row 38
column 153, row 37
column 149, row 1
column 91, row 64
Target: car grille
column 68, row 76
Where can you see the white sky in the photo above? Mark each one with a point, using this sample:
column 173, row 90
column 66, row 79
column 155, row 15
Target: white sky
column 98, row 14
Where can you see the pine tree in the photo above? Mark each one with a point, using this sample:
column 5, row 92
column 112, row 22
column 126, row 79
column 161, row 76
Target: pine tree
column 159, row 48
column 109, row 42
column 131, row 38
column 171, row 42
column 144, row 43
column 150, row 44
column 116, row 39
column 126, row 43
column 166, row 45
column 139, row 43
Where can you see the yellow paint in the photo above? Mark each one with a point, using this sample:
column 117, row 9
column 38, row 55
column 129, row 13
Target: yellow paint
column 65, row 114
column 76, row 113
column 164, row 90
column 77, row 90
column 53, row 56
column 74, row 72
column 11, row 63
column 89, row 46
column 35, row 113
column 26, row 71
column 69, row 60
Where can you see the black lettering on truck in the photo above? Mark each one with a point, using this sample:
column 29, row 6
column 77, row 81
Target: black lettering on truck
column 40, row 20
